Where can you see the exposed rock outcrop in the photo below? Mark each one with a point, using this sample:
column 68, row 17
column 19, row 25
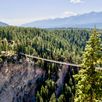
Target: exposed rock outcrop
column 18, row 82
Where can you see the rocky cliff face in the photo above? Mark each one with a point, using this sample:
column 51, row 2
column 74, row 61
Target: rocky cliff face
column 21, row 79
column 18, row 82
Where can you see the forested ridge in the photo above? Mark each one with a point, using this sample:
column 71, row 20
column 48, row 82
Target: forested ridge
column 65, row 45
column 51, row 82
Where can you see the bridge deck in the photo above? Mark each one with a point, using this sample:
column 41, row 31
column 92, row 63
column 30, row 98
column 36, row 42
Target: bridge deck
column 53, row 61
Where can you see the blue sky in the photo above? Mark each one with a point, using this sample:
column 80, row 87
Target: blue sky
column 17, row 12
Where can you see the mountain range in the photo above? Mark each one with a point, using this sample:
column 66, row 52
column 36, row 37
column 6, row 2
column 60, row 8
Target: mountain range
column 88, row 20
column 3, row 24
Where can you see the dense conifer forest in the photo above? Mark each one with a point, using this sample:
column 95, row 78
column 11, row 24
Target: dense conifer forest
column 64, row 44
column 57, row 83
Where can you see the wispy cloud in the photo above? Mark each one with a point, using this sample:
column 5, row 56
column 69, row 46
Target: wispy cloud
column 75, row 1
column 69, row 13
column 19, row 21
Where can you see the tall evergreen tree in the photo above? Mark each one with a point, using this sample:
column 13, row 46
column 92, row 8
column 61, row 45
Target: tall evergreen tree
column 89, row 86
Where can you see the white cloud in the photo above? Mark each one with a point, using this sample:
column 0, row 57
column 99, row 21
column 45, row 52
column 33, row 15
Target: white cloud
column 13, row 21
column 69, row 13
column 18, row 21
column 75, row 1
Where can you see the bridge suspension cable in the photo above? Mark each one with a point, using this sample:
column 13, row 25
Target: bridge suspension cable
column 52, row 61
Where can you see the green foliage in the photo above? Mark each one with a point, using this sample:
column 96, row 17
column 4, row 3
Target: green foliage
column 61, row 98
column 0, row 59
column 53, row 98
column 68, row 93
column 39, row 98
column 89, row 86
column 62, row 45
column 50, row 84
column 46, row 91
column 54, row 44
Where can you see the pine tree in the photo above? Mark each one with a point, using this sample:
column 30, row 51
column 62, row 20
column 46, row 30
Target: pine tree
column 53, row 98
column 89, row 86
column 61, row 98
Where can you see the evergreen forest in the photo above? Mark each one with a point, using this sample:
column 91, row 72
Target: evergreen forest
column 56, row 83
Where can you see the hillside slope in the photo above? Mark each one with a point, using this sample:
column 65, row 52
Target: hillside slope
column 88, row 20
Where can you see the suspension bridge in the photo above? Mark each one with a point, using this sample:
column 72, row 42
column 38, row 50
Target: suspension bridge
column 54, row 61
